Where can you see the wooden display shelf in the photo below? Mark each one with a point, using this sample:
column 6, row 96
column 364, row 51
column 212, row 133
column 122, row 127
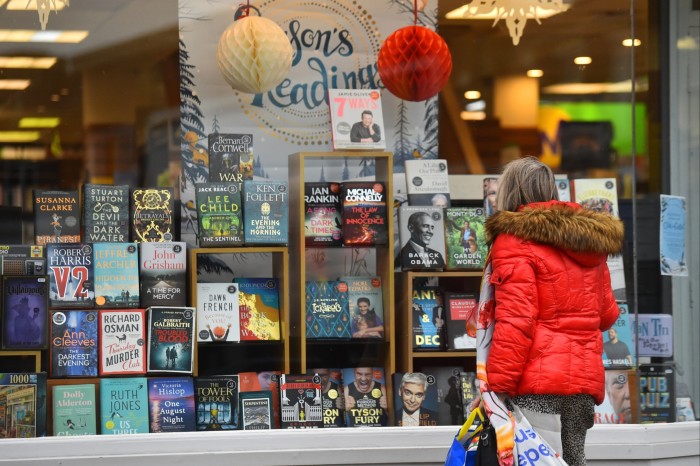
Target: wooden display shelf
column 20, row 361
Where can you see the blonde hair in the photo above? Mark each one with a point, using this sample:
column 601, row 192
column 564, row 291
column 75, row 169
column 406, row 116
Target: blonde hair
column 524, row 181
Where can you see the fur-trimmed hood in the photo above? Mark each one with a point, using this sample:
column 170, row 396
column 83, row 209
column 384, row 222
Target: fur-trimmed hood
column 564, row 225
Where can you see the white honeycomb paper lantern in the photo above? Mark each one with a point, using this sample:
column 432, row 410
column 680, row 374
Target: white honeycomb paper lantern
column 254, row 54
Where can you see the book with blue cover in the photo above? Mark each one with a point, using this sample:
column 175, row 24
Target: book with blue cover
column 27, row 418
column 74, row 343
column 124, row 405
column 618, row 342
column 366, row 306
column 216, row 398
column 259, row 306
column 116, row 268
column 219, row 214
column 428, row 318
column 25, row 306
column 71, row 275
column 327, row 311
column 266, row 213
column 171, row 404
column 74, row 410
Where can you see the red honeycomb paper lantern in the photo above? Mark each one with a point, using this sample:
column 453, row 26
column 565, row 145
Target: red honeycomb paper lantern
column 414, row 63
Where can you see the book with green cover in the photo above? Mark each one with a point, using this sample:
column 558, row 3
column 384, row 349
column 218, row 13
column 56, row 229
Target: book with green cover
column 74, row 410
column 124, row 405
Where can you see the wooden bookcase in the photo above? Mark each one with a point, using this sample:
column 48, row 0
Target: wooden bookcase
column 410, row 360
column 234, row 357
column 336, row 352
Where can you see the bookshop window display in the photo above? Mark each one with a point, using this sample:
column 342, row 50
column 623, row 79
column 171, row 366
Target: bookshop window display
column 198, row 258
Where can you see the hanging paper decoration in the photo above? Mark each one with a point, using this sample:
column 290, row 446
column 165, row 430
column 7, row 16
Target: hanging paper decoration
column 254, row 54
column 43, row 7
column 414, row 62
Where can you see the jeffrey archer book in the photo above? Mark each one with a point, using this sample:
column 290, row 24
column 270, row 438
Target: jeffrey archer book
column 105, row 213
column 219, row 214
column 216, row 399
column 56, row 216
column 124, row 405
column 364, row 213
column 163, row 274
column 171, row 337
column 171, row 404
column 122, row 342
column 71, row 275
column 152, row 215
column 265, row 211
column 218, row 312
column 74, row 343
column 116, row 275
column 25, row 317
column 259, row 308
column 323, row 215
column 230, row 157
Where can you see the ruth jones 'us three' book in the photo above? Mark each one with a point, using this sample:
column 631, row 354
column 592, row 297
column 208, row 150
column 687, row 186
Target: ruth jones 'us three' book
column 219, row 214
column 301, row 404
column 56, row 217
column 327, row 311
column 265, row 211
column 259, row 307
column 71, row 275
column 230, row 157
column 74, row 343
column 171, row 337
column 122, row 342
column 32, row 410
column 124, row 405
column 216, row 399
column 152, row 215
column 171, row 404
column 25, row 306
column 364, row 213
column 74, row 410
column 116, row 268
column 218, row 312
column 323, row 217
column 163, row 274
column 105, row 213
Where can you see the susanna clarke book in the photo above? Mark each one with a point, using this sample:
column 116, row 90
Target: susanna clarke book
column 56, row 217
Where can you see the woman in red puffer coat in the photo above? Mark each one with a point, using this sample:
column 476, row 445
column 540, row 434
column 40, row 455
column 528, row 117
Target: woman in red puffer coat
column 553, row 298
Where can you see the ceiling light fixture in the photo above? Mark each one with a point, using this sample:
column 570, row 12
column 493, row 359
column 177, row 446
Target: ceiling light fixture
column 39, row 122
column 583, row 61
column 19, row 136
column 14, row 84
column 622, row 87
column 628, row 42
column 535, row 73
column 55, row 97
column 28, row 35
column 466, row 115
column 43, row 7
column 41, row 63
column 472, row 95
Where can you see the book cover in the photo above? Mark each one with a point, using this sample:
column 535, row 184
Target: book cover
column 124, row 406
column 71, row 275
column 364, row 213
column 465, row 238
column 74, row 343
column 598, row 194
column 219, row 214
column 468, row 390
column 657, row 393
column 356, row 119
column 259, row 308
column 22, row 259
column 170, row 337
column 218, row 313
column 216, row 399
column 331, row 396
column 415, row 399
column 301, row 405
column 171, row 404
column 266, row 213
column 449, row 399
column 366, row 306
column 564, row 189
column 617, row 406
column 56, row 216
column 422, row 238
column 655, row 333
column 163, row 274
column 263, row 381
column 152, row 215
column 618, row 342
column 23, row 405
column 256, row 410
column 327, row 311
column 490, row 192
column 116, row 267
column 229, row 157
column 122, row 342
column 74, row 410
column 428, row 317
column 365, row 397
column 460, row 319
column 105, row 213
column 323, row 216
column 427, row 182
column 685, row 411
column 25, row 312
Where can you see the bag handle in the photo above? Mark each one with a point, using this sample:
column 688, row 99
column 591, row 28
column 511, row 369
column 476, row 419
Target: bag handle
column 476, row 413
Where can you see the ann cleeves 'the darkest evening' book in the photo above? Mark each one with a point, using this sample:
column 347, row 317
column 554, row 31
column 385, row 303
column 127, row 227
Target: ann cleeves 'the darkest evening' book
column 56, row 217
column 105, row 213
column 74, row 343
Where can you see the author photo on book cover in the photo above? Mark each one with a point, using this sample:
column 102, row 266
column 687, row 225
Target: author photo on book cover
column 412, row 395
column 365, row 130
column 416, row 253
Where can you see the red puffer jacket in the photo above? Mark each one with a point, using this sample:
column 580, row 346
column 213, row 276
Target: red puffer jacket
column 553, row 298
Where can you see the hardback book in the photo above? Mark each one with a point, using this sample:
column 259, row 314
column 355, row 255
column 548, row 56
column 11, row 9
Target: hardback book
column 171, row 404
column 657, row 393
column 422, row 238
column 365, row 396
column 163, row 274
column 427, row 182
column 229, row 157
column 617, row 406
column 256, row 410
column 655, row 333
column 74, row 343
column 685, row 410
column 266, row 213
column 23, row 397
column 598, row 194
column 364, row 213
column 218, row 314
column 261, row 381
column 219, row 214
column 56, row 216
column 74, row 410
column 301, row 404
column 116, row 267
column 469, row 391
column 490, row 193
column 122, row 342
column 356, row 119
column 460, row 317
column 331, row 396
column 71, row 275
column 105, row 213
column 171, row 338
column 216, row 399
column 22, row 259
column 25, row 312
column 415, row 399
column 618, row 342
column 327, row 311
column 428, row 317
column 449, row 399
column 465, row 238
column 564, row 189
column 152, row 215
column 123, row 405
column 259, row 308
column 366, row 306
column 323, row 215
